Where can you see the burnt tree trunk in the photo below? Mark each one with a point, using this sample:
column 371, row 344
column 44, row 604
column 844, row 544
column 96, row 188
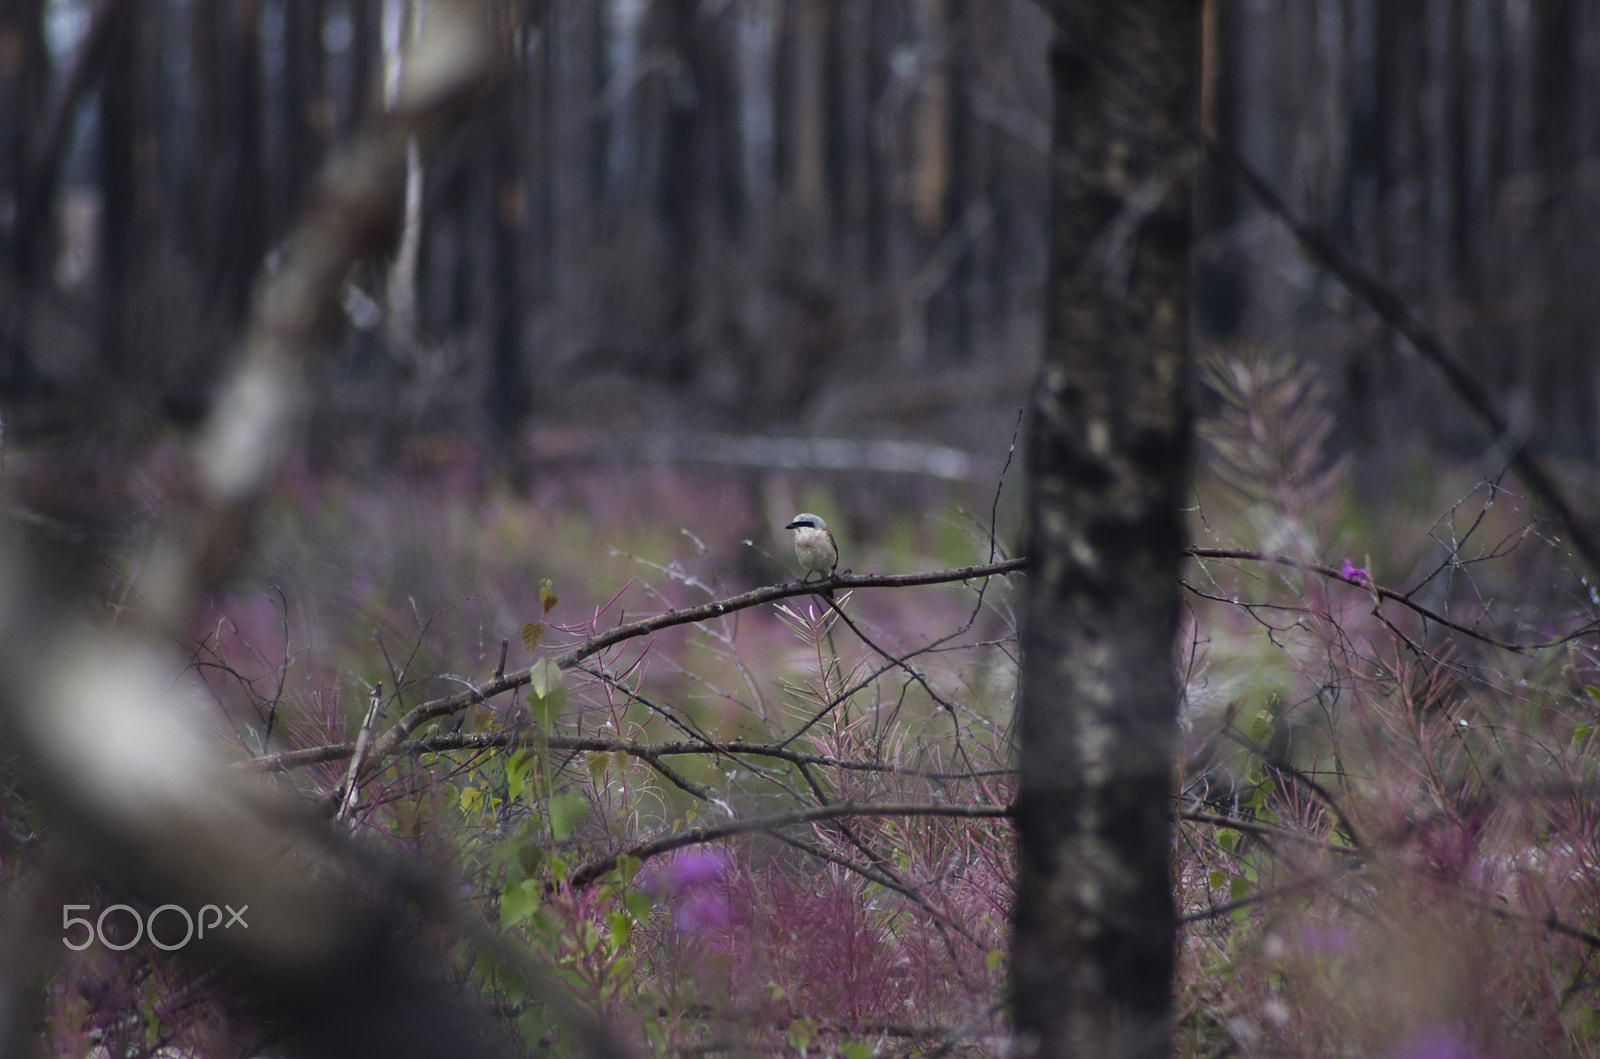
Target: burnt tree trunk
column 1108, row 456
column 24, row 89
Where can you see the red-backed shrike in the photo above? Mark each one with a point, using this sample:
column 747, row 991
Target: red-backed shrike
column 814, row 545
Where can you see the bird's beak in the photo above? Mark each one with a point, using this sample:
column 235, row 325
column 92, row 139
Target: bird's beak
column 792, row 525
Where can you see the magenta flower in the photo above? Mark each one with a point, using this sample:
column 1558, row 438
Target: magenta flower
column 699, row 867
column 1356, row 575
column 691, row 884
column 702, row 910
column 1438, row 1042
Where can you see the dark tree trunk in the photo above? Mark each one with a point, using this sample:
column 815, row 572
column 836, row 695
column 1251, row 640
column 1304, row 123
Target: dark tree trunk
column 507, row 397
column 678, row 184
column 1464, row 194
column 364, row 54
column 540, row 135
column 809, row 99
column 307, row 110
column 24, row 85
column 205, row 116
column 1220, row 284
column 1555, row 81
column 835, row 121
column 121, row 130
column 713, row 59
column 1108, row 456
column 599, row 123
column 231, row 203
column 879, row 163
column 785, row 71
column 961, row 61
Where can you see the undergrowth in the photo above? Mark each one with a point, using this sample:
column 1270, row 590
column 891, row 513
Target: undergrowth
column 746, row 834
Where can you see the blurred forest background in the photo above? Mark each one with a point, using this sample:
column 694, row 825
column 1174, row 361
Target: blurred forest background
column 801, row 217
column 691, row 266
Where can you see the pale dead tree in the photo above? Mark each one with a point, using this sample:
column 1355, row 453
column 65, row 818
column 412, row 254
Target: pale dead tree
column 113, row 740
column 402, row 26
column 1108, row 458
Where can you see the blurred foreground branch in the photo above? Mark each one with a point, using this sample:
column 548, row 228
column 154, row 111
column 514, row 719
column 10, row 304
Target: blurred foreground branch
column 112, row 740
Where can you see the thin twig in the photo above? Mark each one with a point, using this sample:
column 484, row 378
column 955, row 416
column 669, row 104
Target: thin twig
column 352, row 787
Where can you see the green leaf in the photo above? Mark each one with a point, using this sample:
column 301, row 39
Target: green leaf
column 1217, row 880
column 800, row 1031
column 546, row 695
column 522, row 772
column 1593, row 691
column 547, row 595
column 566, row 812
column 533, row 635
column 639, row 903
column 530, row 858
column 519, row 903
column 992, row 959
column 621, row 924
column 471, row 799
column 545, row 677
column 1238, row 890
column 855, row 1050
column 1227, row 838
column 534, row 1024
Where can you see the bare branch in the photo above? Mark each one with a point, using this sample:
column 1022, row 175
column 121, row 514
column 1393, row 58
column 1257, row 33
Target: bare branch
column 352, row 787
column 421, row 714
column 597, row 869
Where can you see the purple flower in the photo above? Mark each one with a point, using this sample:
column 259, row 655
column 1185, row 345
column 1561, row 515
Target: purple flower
column 691, row 883
column 1356, row 575
column 1438, row 1042
column 702, row 910
column 699, row 867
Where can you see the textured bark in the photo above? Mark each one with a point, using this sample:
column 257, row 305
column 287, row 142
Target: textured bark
column 1108, row 454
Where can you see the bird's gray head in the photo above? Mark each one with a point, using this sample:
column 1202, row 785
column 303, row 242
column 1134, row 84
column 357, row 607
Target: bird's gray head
column 807, row 519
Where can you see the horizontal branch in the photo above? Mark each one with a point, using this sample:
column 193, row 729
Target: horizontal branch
column 771, row 593
column 394, row 740
column 287, row 760
column 598, row 869
column 386, row 746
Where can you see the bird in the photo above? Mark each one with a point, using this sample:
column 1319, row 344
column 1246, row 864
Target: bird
column 814, row 545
